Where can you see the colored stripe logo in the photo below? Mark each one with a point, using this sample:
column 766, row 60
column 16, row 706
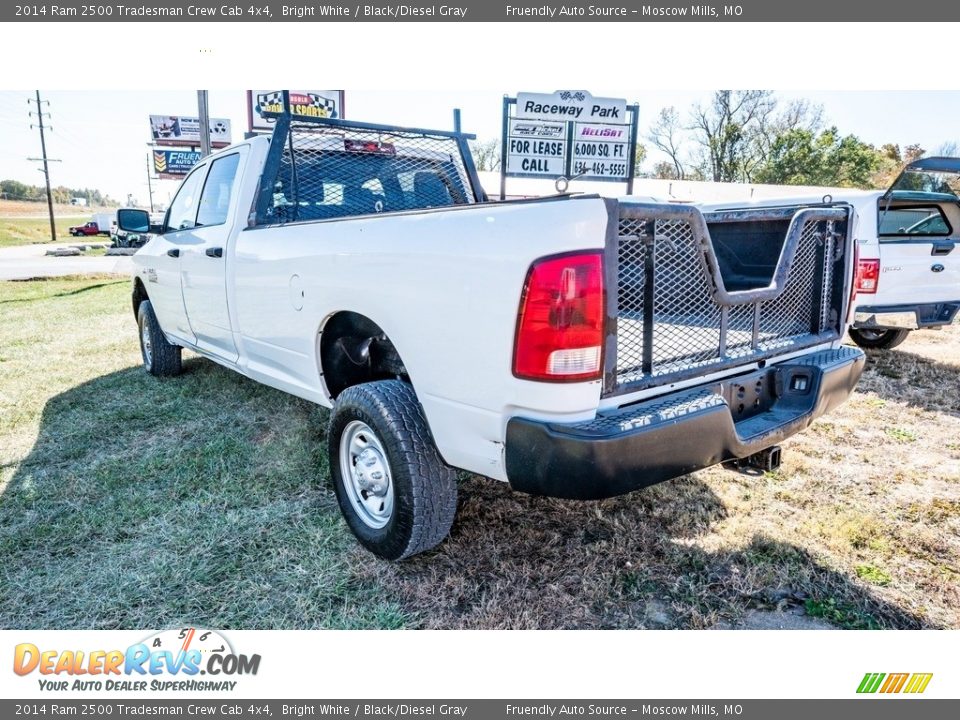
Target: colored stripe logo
column 912, row 683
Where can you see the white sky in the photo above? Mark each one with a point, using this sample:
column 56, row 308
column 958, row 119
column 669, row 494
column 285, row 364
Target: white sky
column 101, row 136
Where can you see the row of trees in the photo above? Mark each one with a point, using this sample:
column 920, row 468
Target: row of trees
column 751, row 136
column 16, row 190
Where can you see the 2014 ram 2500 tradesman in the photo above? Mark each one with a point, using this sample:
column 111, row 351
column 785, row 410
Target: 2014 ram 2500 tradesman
column 573, row 346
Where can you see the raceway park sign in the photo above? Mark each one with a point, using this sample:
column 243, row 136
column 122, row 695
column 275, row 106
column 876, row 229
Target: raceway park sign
column 174, row 164
column 181, row 130
column 569, row 134
column 571, row 105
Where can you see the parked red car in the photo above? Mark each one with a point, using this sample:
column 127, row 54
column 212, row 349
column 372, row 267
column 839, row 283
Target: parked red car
column 90, row 228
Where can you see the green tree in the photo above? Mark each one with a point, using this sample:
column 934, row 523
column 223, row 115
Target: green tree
column 801, row 157
column 638, row 158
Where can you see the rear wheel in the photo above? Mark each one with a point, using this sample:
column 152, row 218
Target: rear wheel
column 394, row 490
column 160, row 357
column 876, row 339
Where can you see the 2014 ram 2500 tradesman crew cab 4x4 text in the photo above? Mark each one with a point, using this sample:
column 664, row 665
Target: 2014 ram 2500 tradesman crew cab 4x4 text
column 573, row 346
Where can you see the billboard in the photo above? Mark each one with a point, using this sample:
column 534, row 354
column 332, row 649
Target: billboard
column 569, row 134
column 183, row 130
column 174, row 164
column 303, row 103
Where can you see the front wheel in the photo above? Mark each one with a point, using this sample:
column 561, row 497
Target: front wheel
column 878, row 339
column 394, row 490
column 160, row 356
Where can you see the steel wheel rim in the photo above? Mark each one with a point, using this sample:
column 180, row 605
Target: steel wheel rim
column 366, row 474
column 147, row 345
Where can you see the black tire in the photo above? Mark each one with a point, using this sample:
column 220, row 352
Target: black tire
column 878, row 339
column 423, row 487
column 160, row 357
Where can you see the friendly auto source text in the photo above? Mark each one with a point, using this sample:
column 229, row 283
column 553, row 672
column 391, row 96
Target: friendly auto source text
column 561, row 11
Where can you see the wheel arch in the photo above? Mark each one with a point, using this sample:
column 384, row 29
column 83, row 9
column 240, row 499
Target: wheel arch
column 138, row 295
column 353, row 349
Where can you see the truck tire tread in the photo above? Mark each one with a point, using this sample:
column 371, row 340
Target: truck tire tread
column 888, row 340
column 425, row 487
column 167, row 357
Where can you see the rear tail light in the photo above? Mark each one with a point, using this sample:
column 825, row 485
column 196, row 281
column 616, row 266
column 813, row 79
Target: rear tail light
column 560, row 323
column 867, row 277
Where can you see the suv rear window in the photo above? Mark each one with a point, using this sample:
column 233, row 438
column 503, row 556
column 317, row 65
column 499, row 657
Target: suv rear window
column 913, row 221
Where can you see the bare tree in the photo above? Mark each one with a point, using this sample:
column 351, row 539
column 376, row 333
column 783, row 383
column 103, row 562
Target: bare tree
column 664, row 170
column 947, row 149
column 797, row 115
column 486, row 154
column 727, row 130
column 666, row 134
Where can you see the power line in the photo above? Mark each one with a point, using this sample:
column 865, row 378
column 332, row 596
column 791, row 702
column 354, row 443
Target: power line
column 45, row 160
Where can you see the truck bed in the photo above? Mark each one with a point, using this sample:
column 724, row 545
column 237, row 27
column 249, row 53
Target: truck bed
column 685, row 307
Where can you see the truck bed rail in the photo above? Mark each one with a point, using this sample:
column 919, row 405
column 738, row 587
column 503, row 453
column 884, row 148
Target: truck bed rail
column 676, row 314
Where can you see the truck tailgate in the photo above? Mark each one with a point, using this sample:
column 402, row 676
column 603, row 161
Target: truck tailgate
column 685, row 308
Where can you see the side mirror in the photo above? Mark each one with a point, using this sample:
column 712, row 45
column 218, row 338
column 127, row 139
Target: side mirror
column 134, row 221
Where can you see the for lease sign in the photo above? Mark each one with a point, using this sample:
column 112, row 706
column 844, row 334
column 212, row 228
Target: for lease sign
column 568, row 133
column 536, row 147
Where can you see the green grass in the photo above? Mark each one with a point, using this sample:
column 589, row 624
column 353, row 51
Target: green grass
column 873, row 575
column 901, row 435
column 126, row 501
column 843, row 615
column 25, row 231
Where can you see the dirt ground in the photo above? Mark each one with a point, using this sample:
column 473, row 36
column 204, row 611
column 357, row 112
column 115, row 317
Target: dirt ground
column 860, row 528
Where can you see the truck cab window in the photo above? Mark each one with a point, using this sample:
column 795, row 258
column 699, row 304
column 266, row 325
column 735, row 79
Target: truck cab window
column 183, row 210
column 215, row 199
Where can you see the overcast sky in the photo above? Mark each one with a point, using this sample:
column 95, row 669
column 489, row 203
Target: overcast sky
column 101, row 137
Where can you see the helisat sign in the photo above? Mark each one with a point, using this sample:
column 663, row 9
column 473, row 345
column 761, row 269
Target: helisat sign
column 568, row 134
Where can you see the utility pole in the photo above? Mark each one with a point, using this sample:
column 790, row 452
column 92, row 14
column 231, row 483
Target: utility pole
column 204, row 123
column 149, row 181
column 46, row 168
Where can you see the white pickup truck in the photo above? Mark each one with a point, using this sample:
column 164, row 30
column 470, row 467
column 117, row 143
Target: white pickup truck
column 574, row 346
column 908, row 269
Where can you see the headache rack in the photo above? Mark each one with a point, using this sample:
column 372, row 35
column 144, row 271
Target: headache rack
column 327, row 168
column 700, row 293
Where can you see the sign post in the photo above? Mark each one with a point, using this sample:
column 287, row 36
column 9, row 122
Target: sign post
column 568, row 134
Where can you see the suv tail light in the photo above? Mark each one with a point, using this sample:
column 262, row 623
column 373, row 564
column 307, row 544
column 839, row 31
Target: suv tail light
column 560, row 323
column 867, row 277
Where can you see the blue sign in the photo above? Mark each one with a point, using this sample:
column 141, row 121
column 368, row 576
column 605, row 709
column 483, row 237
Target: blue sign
column 174, row 162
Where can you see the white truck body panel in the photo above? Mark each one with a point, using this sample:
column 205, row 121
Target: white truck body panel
column 104, row 220
column 457, row 271
column 461, row 267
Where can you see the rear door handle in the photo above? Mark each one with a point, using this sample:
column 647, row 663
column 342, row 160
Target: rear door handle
column 214, row 252
column 173, row 252
column 941, row 248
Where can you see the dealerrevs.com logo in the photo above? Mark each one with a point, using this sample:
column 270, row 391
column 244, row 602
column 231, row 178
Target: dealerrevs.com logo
column 169, row 660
